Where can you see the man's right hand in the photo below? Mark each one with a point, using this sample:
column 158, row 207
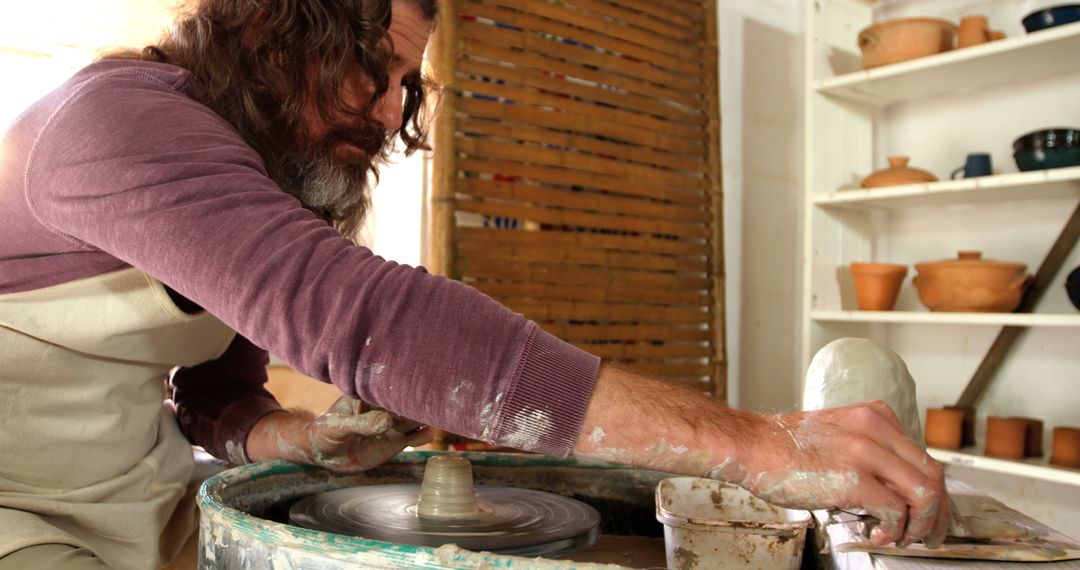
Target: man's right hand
column 853, row 457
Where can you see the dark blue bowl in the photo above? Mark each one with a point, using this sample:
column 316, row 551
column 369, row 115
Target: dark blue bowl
column 1052, row 17
column 1072, row 287
column 1047, row 148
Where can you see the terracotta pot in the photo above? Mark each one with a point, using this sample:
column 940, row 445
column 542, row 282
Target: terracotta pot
column 971, row 283
column 897, row 173
column 1005, row 437
column 944, row 428
column 1033, row 436
column 904, row 39
column 1066, row 447
column 967, row 437
column 975, row 30
column 877, row 284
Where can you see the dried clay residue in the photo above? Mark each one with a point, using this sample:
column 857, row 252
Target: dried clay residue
column 685, row 559
column 453, row 556
column 458, row 392
column 529, row 427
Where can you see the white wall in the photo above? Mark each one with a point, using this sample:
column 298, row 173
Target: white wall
column 84, row 23
column 761, row 83
column 394, row 227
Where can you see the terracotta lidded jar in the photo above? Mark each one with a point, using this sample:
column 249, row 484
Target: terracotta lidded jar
column 897, row 173
column 945, row 428
column 1005, row 437
column 1066, row 447
column 971, row 283
column 877, row 284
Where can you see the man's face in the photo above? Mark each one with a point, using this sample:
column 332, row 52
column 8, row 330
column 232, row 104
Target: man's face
column 332, row 174
column 409, row 33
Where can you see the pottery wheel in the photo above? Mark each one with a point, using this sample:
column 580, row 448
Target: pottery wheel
column 510, row 520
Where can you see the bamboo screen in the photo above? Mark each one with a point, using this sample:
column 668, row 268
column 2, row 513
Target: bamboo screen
column 577, row 174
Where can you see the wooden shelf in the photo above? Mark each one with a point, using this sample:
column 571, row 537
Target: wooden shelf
column 1018, row 59
column 1037, row 468
column 1035, row 185
column 919, row 317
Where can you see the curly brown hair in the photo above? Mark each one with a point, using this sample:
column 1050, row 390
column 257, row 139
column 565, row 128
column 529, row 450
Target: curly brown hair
column 256, row 61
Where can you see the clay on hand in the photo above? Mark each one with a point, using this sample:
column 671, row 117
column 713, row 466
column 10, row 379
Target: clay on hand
column 851, row 457
column 348, row 439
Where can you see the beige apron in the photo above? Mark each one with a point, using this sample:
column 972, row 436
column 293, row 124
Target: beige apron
column 88, row 454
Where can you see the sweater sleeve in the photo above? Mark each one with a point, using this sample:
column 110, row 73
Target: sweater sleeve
column 217, row 402
column 140, row 170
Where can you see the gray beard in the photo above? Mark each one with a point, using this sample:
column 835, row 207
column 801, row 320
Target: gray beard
column 326, row 187
column 330, row 186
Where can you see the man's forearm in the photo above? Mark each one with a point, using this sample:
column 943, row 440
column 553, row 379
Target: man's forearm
column 639, row 421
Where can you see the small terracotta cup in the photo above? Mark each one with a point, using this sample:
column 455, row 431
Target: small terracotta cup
column 975, row 30
column 877, row 284
column 1066, row 447
column 1005, row 437
column 1033, row 436
column 944, row 428
column 967, row 437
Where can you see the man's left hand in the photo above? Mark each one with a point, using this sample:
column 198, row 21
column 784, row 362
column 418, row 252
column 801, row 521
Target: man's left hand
column 343, row 439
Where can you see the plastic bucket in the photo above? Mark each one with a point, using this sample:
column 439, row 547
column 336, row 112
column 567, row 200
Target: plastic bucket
column 709, row 524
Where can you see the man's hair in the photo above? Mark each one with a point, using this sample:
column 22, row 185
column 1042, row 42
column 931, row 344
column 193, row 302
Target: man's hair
column 256, row 62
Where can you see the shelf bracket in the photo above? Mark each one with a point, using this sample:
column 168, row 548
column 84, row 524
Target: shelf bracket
column 1005, row 340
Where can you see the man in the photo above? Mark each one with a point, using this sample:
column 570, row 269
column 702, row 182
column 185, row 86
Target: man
column 185, row 206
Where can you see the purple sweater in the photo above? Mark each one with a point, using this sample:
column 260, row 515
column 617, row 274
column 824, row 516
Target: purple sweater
column 122, row 166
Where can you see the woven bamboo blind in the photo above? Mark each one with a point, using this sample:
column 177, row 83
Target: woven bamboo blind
column 577, row 174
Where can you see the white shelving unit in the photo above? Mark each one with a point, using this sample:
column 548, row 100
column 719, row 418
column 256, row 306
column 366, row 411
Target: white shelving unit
column 1026, row 58
column 927, row 318
column 937, row 109
column 1037, row 185
column 1031, row 468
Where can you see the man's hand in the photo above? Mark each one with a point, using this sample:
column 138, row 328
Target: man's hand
column 344, row 439
column 853, row 457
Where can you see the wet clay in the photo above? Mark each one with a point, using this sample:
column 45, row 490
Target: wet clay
column 447, row 490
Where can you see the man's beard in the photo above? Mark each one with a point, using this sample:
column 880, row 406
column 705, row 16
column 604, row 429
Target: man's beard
column 336, row 190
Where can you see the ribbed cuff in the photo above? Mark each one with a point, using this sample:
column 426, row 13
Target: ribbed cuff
column 545, row 405
column 230, row 437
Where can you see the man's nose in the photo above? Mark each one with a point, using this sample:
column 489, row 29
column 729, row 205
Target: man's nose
column 388, row 109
